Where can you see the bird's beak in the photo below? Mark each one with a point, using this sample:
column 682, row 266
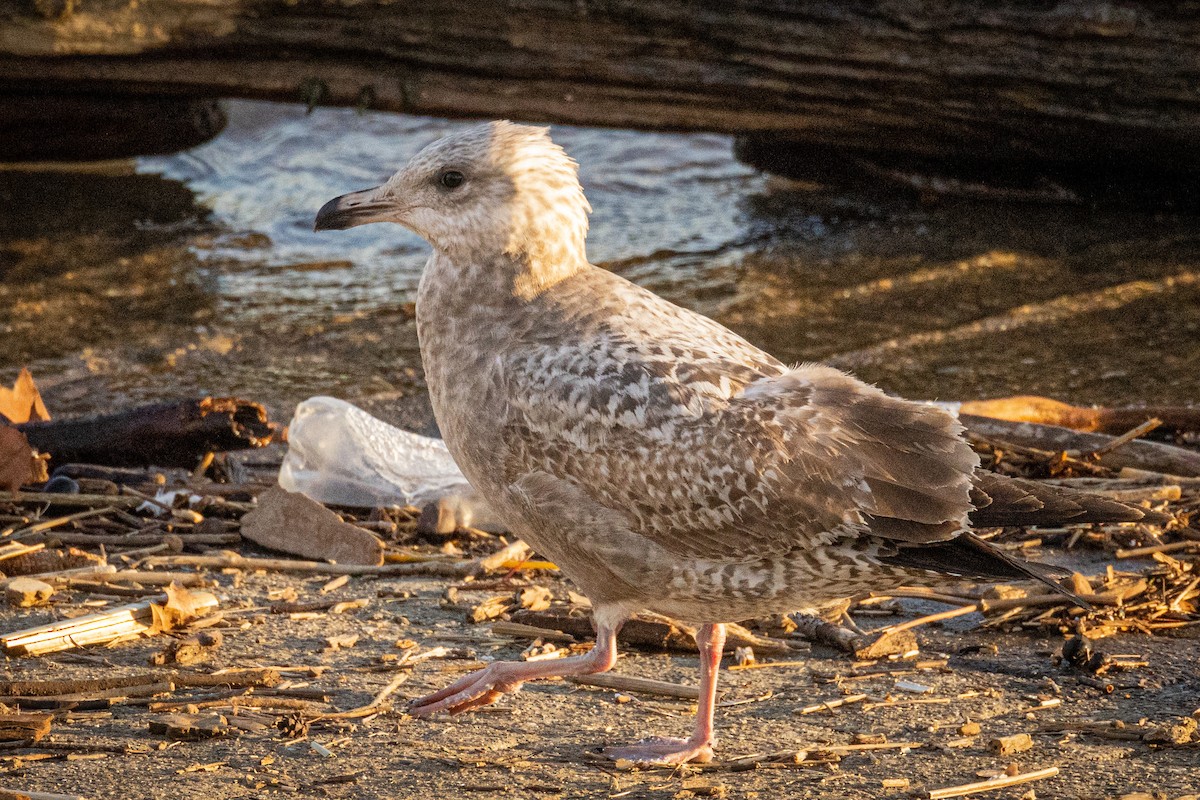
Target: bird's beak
column 356, row 208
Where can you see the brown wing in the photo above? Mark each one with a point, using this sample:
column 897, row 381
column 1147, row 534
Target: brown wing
column 709, row 469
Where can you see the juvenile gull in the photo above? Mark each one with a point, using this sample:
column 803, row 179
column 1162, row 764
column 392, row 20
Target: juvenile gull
column 662, row 461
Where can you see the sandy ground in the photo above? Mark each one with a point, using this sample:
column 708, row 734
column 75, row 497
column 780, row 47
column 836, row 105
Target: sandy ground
column 544, row 741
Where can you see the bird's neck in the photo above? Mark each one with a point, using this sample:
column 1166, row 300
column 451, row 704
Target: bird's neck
column 517, row 274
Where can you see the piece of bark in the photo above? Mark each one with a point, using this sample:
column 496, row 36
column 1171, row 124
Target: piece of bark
column 24, row 727
column 45, row 561
column 165, row 434
column 191, row 727
column 1011, row 745
column 864, row 647
column 192, row 650
column 292, row 523
column 27, row 592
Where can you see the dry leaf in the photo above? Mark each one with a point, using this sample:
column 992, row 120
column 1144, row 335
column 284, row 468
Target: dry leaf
column 18, row 463
column 22, row 403
column 535, row 598
column 490, row 609
column 179, row 609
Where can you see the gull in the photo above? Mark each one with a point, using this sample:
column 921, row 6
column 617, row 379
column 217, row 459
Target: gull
column 662, row 461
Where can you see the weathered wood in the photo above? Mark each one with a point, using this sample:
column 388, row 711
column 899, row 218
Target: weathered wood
column 991, row 88
column 165, row 434
column 1138, row 454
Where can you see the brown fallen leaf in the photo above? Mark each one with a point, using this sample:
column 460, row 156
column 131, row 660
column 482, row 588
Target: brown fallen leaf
column 23, row 403
column 181, row 608
column 19, row 463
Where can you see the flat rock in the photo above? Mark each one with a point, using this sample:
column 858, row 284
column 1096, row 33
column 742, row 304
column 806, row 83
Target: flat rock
column 292, row 523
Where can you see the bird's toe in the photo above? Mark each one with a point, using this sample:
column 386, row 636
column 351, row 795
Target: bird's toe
column 663, row 751
column 480, row 688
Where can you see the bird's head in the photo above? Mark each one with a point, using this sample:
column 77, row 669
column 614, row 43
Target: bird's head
column 492, row 189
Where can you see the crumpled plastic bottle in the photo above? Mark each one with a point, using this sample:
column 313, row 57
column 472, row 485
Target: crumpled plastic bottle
column 340, row 455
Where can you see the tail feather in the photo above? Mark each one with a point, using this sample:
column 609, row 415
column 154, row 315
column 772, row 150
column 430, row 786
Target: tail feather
column 1001, row 501
column 968, row 556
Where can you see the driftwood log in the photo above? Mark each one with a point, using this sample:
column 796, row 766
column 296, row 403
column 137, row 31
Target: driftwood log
column 165, row 435
column 1032, row 95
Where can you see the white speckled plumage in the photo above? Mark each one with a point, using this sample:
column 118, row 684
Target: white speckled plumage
column 661, row 460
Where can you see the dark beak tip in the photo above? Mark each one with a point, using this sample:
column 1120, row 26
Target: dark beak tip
column 331, row 217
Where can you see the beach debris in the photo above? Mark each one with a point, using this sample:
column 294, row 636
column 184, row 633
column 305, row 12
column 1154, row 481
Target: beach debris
column 20, row 464
column 652, row 632
column 168, row 612
column 23, row 402
column 190, row 650
column 1178, row 731
column 176, row 434
column 991, row 784
column 24, row 727
column 293, row 523
column 864, row 647
column 191, row 727
column 27, row 592
column 631, row 683
column 341, row 455
column 1080, row 448
column 1011, row 745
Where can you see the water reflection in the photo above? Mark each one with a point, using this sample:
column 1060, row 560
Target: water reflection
column 200, row 273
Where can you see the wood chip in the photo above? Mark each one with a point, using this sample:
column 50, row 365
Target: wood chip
column 1011, row 745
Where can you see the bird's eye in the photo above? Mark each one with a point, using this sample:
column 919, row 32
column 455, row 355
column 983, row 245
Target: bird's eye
column 451, row 179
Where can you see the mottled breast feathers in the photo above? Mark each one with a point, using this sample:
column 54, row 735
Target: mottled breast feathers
column 713, row 449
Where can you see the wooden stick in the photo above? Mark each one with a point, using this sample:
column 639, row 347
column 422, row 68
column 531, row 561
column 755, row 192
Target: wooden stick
column 107, row 502
column 1127, row 437
column 630, row 683
column 992, row 783
column 1173, row 547
column 48, row 524
column 135, row 539
column 450, row 569
column 829, row 705
column 23, row 794
column 914, row 623
column 132, row 576
column 378, row 702
column 14, row 549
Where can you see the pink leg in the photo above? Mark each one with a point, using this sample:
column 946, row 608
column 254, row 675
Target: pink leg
column 699, row 747
column 485, row 686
